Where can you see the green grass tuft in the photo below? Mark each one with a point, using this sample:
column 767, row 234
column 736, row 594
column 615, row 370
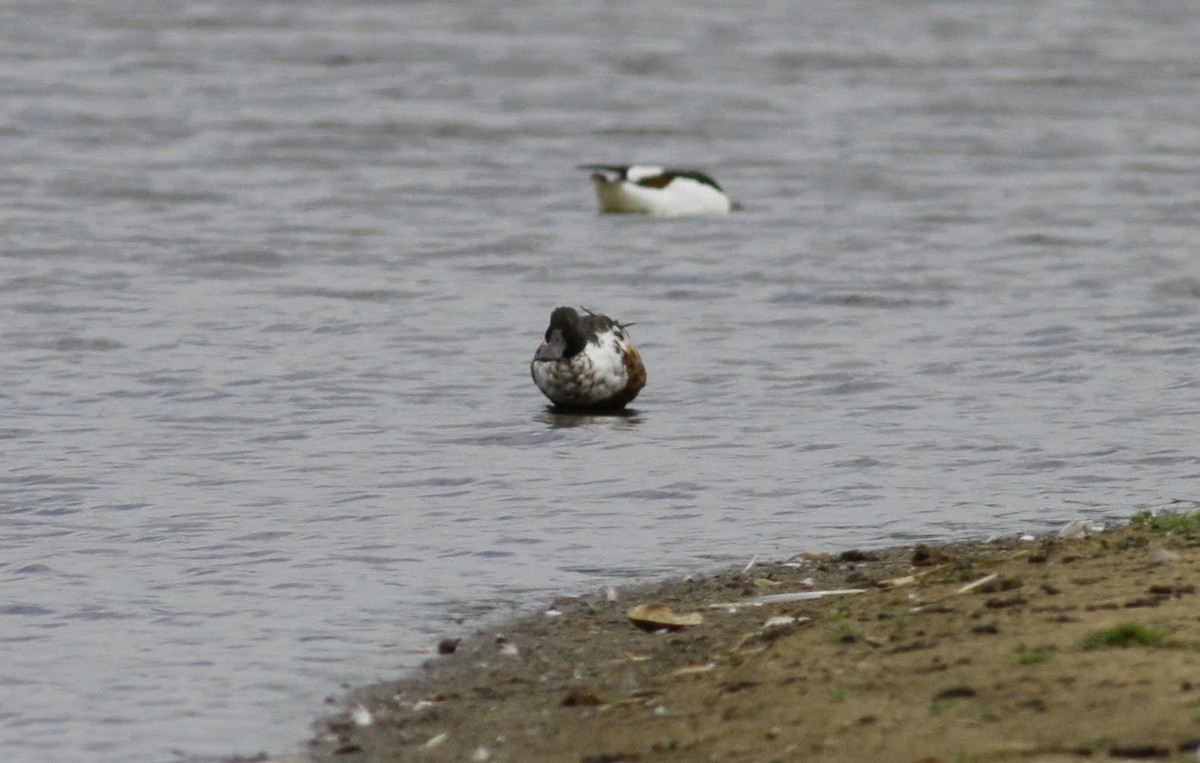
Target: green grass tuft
column 1186, row 523
column 1124, row 635
column 1035, row 655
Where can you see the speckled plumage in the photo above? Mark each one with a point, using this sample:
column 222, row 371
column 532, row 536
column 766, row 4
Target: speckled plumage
column 587, row 362
column 653, row 190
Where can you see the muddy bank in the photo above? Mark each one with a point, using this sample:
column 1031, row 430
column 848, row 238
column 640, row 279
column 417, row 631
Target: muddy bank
column 1047, row 649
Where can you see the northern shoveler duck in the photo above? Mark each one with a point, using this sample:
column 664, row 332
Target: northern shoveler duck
column 587, row 362
column 653, row 190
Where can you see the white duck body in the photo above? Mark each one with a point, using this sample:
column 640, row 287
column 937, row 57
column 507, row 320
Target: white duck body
column 654, row 190
column 587, row 362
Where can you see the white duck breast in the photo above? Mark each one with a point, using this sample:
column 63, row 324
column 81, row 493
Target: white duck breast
column 595, row 374
column 654, row 190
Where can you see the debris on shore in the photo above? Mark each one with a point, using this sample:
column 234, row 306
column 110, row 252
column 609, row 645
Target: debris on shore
column 1070, row 646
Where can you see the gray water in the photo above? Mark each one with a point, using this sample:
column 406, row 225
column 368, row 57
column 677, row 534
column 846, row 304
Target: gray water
column 271, row 274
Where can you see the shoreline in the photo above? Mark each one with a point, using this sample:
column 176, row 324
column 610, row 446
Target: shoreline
column 1055, row 648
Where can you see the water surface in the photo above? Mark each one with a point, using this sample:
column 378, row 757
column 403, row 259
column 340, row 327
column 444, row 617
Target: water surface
column 271, row 274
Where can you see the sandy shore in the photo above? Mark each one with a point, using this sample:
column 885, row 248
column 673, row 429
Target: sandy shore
column 1057, row 648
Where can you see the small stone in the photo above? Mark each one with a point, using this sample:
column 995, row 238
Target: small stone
column 998, row 603
column 1171, row 590
column 857, row 555
column 924, row 556
column 734, row 687
column 580, row 696
column 448, row 645
column 816, row 556
column 956, row 692
column 1158, row 556
column 1139, row 751
column 999, row 584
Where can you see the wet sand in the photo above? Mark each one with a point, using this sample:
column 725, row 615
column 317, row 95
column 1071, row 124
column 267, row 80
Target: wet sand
column 1054, row 648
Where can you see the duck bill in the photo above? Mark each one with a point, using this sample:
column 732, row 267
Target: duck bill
column 551, row 350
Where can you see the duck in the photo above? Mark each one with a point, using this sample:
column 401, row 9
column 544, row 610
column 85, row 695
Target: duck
column 587, row 362
column 653, row 190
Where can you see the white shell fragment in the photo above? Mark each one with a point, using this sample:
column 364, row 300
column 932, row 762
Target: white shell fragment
column 361, row 716
column 1080, row 528
column 658, row 616
column 1157, row 555
column 783, row 598
column 692, row 670
column 898, row 582
column 977, row 583
column 437, row 741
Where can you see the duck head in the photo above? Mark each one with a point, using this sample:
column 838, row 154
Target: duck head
column 565, row 337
